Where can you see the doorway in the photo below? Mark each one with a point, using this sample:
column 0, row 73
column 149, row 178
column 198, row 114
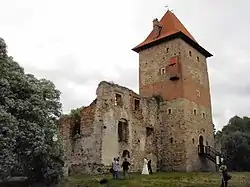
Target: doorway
column 201, row 145
column 125, row 154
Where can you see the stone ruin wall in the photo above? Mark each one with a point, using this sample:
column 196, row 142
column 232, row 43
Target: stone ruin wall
column 82, row 150
column 118, row 105
column 98, row 143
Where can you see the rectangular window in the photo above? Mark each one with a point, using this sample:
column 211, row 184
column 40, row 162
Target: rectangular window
column 149, row 131
column 123, row 131
column 118, row 100
column 136, row 104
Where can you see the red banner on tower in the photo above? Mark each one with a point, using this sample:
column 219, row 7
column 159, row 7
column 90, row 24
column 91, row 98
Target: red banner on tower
column 173, row 60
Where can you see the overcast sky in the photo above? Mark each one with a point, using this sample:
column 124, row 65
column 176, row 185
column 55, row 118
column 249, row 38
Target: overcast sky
column 78, row 43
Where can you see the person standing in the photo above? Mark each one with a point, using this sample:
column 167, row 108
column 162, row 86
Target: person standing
column 125, row 167
column 225, row 176
column 115, row 168
column 145, row 167
column 149, row 167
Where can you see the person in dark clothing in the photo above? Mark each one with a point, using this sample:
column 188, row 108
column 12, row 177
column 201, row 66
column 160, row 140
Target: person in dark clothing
column 125, row 167
column 149, row 167
column 225, row 176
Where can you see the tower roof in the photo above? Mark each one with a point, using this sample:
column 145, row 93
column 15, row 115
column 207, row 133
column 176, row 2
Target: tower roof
column 170, row 28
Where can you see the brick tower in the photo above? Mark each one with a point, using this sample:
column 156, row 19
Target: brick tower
column 173, row 65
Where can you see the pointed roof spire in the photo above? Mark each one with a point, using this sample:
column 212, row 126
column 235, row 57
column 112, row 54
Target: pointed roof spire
column 169, row 27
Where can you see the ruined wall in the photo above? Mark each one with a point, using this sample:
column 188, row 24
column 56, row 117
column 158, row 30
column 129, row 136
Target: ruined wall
column 83, row 149
column 99, row 141
column 141, row 121
column 65, row 133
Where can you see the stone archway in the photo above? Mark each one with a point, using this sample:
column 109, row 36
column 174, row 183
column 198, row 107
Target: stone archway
column 201, row 140
column 125, row 154
column 201, row 145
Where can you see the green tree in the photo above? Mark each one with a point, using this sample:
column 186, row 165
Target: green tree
column 29, row 110
column 235, row 143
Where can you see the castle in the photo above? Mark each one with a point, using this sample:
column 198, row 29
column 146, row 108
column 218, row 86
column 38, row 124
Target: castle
column 169, row 121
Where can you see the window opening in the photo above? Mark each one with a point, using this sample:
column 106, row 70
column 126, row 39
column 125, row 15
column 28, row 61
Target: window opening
column 136, row 104
column 125, row 153
column 171, row 140
column 118, row 100
column 123, row 131
column 203, row 115
column 149, row 131
column 76, row 128
column 169, row 111
column 162, row 71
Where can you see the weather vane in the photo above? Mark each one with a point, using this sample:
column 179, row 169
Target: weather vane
column 168, row 8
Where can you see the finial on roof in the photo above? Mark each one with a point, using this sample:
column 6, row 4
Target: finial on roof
column 168, row 8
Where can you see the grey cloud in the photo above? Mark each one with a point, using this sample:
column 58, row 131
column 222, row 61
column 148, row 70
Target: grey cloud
column 67, row 73
column 222, row 27
column 67, row 69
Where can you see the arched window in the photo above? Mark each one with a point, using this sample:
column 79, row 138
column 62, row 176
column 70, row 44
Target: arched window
column 125, row 153
column 201, row 145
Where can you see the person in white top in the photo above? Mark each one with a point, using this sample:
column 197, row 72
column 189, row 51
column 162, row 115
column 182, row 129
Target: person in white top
column 145, row 167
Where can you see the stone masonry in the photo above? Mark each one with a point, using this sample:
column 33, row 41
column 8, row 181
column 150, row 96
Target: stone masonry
column 103, row 133
column 165, row 122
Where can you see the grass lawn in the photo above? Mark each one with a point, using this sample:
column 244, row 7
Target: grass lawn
column 162, row 179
